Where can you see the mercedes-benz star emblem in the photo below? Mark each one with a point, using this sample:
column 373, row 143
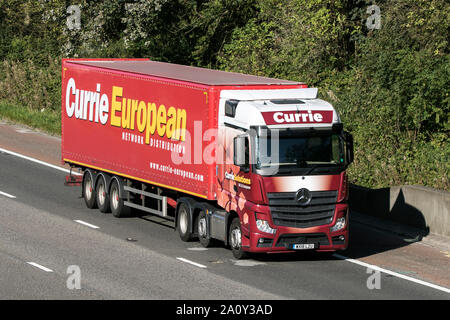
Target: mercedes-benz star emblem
column 303, row 196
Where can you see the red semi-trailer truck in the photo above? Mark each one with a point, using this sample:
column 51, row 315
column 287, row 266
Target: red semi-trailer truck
column 258, row 163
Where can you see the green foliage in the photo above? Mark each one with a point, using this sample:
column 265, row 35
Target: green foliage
column 390, row 85
column 184, row 31
column 30, row 85
column 396, row 98
column 299, row 40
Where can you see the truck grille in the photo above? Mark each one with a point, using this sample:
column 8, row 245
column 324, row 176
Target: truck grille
column 287, row 212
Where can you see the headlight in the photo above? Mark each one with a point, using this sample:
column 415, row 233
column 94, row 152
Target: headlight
column 263, row 226
column 340, row 223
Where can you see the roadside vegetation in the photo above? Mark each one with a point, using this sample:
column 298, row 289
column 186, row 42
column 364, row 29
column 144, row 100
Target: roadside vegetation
column 386, row 71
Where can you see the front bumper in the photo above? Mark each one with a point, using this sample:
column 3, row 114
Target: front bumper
column 284, row 239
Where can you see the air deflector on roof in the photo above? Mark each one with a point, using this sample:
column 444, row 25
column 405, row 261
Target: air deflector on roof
column 287, row 101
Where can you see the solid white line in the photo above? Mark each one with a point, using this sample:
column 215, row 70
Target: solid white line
column 87, row 224
column 392, row 273
column 192, row 262
column 34, row 264
column 37, row 161
column 7, row 195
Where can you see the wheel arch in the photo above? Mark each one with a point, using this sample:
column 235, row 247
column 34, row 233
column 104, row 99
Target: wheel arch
column 228, row 220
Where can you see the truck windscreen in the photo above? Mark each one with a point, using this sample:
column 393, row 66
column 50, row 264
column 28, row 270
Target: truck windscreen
column 295, row 151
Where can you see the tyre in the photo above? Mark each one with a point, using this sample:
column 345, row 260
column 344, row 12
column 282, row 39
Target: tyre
column 201, row 230
column 101, row 196
column 116, row 202
column 235, row 239
column 88, row 190
column 184, row 223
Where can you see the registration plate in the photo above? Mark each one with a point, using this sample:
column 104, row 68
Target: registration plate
column 304, row 246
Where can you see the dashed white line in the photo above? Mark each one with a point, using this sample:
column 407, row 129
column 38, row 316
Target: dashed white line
column 86, row 224
column 192, row 262
column 392, row 273
column 197, row 249
column 34, row 264
column 20, row 130
column 37, row 161
column 7, row 195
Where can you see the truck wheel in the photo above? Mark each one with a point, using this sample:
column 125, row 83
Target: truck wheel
column 201, row 230
column 235, row 239
column 118, row 208
column 183, row 223
column 88, row 190
column 102, row 196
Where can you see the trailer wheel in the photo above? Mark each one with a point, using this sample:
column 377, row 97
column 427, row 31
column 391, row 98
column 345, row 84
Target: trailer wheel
column 201, row 230
column 118, row 209
column 88, row 190
column 235, row 239
column 183, row 223
column 102, row 196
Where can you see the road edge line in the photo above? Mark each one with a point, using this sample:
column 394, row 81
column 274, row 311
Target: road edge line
column 392, row 273
column 37, row 161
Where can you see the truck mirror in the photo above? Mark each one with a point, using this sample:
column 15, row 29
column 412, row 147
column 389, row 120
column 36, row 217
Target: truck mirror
column 337, row 128
column 241, row 152
column 349, row 146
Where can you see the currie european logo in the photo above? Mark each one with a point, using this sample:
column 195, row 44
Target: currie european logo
column 127, row 113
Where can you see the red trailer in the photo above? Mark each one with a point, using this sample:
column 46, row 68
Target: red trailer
column 187, row 144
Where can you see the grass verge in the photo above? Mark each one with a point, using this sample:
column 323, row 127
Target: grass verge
column 48, row 121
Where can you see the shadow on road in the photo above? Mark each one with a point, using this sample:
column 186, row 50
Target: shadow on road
column 385, row 224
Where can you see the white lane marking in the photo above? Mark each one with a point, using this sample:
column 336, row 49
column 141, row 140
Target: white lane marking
column 192, row 262
column 247, row 263
column 37, row 161
column 34, row 264
column 87, row 224
column 392, row 273
column 197, row 249
column 24, row 131
column 7, row 195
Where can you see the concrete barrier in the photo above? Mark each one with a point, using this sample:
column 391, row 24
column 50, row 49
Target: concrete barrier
column 417, row 206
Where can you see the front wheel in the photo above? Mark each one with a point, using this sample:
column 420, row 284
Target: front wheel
column 235, row 239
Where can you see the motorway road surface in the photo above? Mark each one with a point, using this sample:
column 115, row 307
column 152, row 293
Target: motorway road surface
column 45, row 228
